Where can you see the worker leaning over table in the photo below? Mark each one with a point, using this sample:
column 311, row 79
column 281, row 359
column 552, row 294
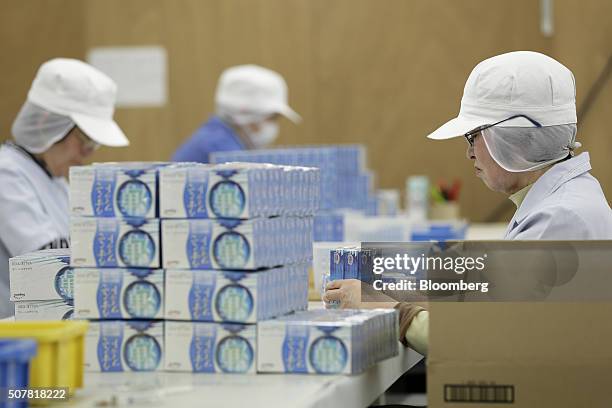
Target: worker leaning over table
column 68, row 113
column 518, row 115
column 249, row 100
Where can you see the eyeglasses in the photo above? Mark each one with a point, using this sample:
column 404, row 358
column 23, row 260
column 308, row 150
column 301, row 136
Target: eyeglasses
column 87, row 142
column 471, row 135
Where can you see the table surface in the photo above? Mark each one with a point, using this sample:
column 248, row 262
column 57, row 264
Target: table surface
column 165, row 389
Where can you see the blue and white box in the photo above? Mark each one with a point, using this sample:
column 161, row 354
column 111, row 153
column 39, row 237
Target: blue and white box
column 44, row 310
column 124, row 345
column 236, row 244
column 233, row 296
column 237, row 190
column 327, row 341
column 114, row 242
column 118, row 293
column 211, row 347
column 114, row 190
column 41, row 275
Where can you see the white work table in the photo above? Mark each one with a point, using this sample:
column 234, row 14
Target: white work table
column 248, row 391
column 242, row 391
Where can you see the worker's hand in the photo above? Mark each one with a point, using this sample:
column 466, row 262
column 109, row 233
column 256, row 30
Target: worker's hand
column 345, row 293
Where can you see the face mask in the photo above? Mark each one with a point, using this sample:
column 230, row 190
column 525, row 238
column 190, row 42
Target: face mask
column 267, row 133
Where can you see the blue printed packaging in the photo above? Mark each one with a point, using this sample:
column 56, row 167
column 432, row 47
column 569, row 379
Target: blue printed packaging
column 41, row 275
column 114, row 190
column 210, row 347
column 116, row 293
column 236, row 190
column 232, row 296
column 124, row 345
column 113, row 242
column 236, row 244
column 327, row 341
column 44, row 310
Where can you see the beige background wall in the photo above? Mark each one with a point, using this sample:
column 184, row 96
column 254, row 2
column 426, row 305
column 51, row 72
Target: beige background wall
column 379, row 72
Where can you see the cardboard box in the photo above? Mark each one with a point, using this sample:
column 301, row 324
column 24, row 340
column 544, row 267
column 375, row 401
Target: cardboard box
column 519, row 354
column 124, row 345
column 44, row 310
column 210, row 347
column 41, row 275
column 114, row 190
column 114, row 242
column 105, row 293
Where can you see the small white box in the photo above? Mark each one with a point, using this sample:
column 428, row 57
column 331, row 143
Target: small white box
column 41, row 275
column 124, row 345
column 326, row 341
column 113, row 242
column 114, row 190
column 208, row 244
column 198, row 191
column 44, row 310
column 101, row 293
column 210, row 347
column 233, row 296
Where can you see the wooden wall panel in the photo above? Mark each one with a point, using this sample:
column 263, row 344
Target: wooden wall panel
column 32, row 32
column 379, row 72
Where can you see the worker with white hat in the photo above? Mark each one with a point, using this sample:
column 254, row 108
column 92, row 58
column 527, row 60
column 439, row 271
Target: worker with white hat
column 68, row 113
column 249, row 100
column 518, row 115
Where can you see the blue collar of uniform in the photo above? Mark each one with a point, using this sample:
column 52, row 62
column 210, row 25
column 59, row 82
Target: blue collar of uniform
column 550, row 181
column 215, row 120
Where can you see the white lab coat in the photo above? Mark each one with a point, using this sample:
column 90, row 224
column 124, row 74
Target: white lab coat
column 33, row 212
column 565, row 203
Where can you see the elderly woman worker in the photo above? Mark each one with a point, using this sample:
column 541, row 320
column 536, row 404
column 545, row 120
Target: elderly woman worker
column 518, row 115
column 67, row 115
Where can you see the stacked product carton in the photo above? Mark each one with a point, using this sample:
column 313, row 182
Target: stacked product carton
column 237, row 238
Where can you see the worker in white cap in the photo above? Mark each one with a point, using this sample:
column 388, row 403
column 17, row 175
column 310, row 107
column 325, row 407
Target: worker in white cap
column 68, row 113
column 249, row 100
column 518, row 115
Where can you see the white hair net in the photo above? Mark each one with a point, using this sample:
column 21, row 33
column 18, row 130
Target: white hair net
column 519, row 149
column 36, row 129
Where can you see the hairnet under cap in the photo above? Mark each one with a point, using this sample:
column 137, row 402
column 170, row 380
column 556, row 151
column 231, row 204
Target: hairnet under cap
column 519, row 149
column 37, row 129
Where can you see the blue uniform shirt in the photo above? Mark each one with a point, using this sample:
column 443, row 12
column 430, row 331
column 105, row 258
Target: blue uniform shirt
column 213, row 136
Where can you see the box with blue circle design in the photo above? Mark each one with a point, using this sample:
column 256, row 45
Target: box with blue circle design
column 327, row 341
column 211, row 347
column 124, row 345
column 44, row 310
column 114, row 190
column 236, row 244
column 234, row 296
column 119, row 293
column 41, row 275
column 237, row 190
column 114, row 242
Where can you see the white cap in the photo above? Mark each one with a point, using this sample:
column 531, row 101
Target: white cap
column 248, row 92
column 77, row 90
column 517, row 83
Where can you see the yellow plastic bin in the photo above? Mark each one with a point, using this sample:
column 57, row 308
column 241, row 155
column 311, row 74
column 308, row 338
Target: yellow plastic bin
column 61, row 345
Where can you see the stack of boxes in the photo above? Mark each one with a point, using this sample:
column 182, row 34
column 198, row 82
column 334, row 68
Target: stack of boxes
column 345, row 182
column 116, row 255
column 42, row 285
column 236, row 243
